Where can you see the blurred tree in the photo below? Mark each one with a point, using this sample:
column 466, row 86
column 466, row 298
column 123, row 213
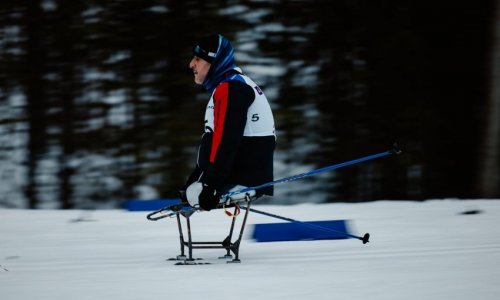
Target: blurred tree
column 32, row 79
column 489, row 177
column 110, row 109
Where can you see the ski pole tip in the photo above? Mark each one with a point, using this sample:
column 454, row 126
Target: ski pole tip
column 366, row 238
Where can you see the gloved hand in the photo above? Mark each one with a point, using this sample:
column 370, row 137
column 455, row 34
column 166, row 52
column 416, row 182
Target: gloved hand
column 209, row 197
column 203, row 195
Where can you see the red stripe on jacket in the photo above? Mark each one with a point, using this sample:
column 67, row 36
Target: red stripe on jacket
column 220, row 109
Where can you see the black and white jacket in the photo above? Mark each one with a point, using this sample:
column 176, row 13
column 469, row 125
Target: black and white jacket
column 239, row 139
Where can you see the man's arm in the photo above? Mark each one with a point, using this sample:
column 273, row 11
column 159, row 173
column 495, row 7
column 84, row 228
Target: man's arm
column 231, row 102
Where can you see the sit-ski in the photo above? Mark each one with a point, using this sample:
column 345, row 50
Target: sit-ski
column 186, row 211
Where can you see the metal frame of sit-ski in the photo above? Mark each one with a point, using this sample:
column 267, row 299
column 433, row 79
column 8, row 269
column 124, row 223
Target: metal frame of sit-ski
column 226, row 244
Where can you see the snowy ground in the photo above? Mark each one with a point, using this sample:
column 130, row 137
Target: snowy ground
column 417, row 250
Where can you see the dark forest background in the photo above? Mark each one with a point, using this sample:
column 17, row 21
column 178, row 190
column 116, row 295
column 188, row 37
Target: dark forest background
column 97, row 104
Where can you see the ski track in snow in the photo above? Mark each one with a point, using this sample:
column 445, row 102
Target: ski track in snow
column 417, row 250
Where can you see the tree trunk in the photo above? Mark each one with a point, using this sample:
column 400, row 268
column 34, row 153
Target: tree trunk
column 35, row 99
column 489, row 173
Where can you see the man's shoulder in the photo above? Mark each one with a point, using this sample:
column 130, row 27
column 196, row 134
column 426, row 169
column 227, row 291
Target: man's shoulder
column 236, row 84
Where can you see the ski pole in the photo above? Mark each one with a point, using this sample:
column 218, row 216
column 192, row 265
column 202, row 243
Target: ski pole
column 395, row 150
column 364, row 239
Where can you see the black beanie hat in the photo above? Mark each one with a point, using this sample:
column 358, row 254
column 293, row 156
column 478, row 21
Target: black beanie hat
column 207, row 47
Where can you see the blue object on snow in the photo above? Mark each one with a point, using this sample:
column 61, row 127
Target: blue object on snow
column 300, row 231
column 149, row 205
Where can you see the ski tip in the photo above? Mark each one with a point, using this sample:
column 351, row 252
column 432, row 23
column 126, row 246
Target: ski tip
column 366, row 238
column 396, row 149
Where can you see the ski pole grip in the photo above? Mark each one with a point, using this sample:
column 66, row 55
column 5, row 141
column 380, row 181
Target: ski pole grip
column 395, row 149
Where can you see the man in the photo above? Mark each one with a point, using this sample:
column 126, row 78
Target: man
column 238, row 143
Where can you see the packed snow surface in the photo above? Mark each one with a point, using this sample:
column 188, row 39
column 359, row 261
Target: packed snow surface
column 435, row 249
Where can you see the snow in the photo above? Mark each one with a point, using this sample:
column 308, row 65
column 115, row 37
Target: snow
column 417, row 250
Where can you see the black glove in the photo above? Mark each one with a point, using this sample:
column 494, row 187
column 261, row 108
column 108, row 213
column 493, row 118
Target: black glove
column 208, row 198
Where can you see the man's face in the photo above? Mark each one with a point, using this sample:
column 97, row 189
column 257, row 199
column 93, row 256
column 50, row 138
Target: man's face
column 200, row 69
